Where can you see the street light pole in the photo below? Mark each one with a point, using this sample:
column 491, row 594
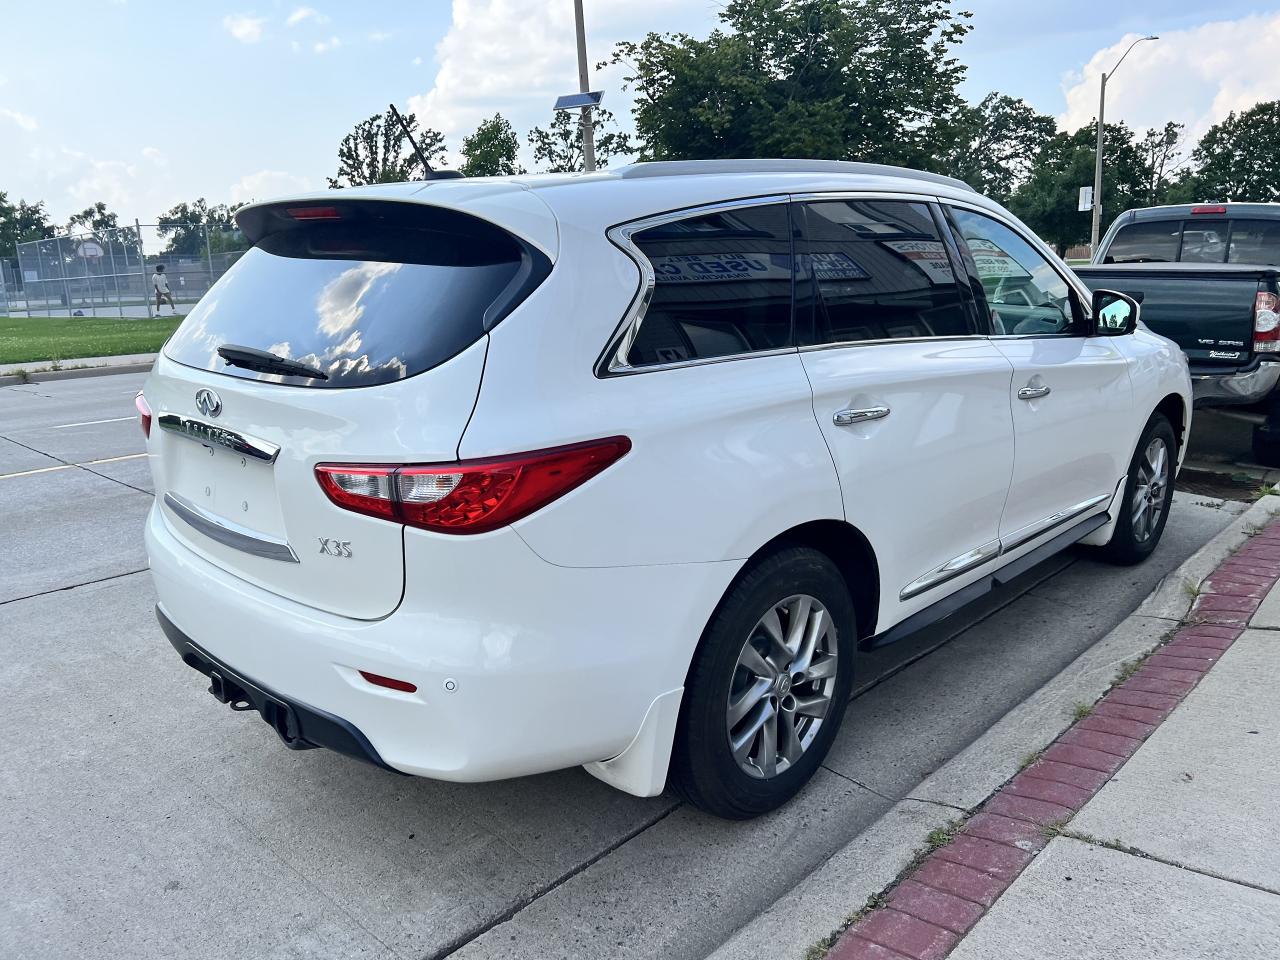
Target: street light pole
column 1097, row 159
column 584, row 86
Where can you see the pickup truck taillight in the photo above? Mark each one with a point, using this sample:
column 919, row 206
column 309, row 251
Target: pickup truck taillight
column 473, row 496
column 1266, row 323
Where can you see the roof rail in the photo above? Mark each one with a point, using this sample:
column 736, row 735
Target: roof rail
column 683, row 168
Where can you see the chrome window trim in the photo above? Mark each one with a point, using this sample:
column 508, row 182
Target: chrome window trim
column 210, row 433
column 992, row 549
column 613, row 361
column 227, row 533
column 841, row 344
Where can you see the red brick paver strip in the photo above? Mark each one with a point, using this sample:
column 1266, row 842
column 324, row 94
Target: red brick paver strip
column 934, row 905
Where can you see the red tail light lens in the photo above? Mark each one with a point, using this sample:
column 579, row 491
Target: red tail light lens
column 144, row 414
column 314, row 213
column 1266, row 322
column 469, row 497
column 1213, row 208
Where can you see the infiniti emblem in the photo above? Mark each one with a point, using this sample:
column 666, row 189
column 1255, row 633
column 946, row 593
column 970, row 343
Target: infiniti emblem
column 208, row 402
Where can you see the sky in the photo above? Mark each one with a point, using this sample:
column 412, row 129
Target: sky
column 143, row 103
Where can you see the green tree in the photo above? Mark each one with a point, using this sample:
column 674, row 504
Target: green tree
column 995, row 144
column 836, row 79
column 559, row 147
column 491, row 150
column 96, row 219
column 1161, row 156
column 377, row 151
column 22, row 222
column 1048, row 199
column 183, row 227
column 1239, row 158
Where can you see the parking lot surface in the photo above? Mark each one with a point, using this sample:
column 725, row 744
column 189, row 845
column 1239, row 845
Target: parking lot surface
column 140, row 818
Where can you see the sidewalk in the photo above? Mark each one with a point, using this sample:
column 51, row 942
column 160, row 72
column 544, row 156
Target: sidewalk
column 1149, row 830
column 130, row 362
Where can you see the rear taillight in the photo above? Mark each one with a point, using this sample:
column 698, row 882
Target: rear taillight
column 1215, row 209
column 468, row 497
column 314, row 213
column 144, row 414
column 1266, row 322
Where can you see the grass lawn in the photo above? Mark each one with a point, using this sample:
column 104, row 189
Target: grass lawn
column 24, row 339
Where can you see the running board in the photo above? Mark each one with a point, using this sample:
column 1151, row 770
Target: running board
column 980, row 588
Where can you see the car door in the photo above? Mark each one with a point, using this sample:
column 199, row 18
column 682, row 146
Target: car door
column 911, row 398
column 1071, row 396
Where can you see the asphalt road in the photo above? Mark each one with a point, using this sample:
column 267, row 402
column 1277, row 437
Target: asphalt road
column 140, row 818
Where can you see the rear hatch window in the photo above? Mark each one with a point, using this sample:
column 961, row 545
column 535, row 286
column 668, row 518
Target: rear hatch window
column 365, row 292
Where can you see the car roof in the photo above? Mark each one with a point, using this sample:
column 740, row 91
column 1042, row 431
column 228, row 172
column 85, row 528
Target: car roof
column 1179, row 211
column 612, row 196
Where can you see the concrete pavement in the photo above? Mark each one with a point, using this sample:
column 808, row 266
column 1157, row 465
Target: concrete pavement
column 139, row 818
column 1178, row 855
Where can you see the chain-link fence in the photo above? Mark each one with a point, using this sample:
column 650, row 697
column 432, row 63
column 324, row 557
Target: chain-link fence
column 111, row 273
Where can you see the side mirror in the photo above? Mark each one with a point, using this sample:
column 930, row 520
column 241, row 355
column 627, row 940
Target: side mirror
column 1114, row 313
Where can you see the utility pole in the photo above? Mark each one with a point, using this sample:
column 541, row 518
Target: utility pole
column 1097, row 160
column 584, row 86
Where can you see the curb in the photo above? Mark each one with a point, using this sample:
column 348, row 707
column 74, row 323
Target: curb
column 857, row 873
column 926, row 913
column 45, row 376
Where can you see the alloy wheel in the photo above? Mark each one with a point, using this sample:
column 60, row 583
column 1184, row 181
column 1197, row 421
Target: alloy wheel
column 1152, row 487
column 782, row 686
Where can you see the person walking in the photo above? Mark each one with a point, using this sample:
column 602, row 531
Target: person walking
column 161, row 283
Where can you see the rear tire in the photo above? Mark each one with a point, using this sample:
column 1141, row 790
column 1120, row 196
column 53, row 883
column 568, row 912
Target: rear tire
column 768, row 686
column 1148, row 491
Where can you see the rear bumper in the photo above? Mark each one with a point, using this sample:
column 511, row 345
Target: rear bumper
column 521, row 666
column 299, row 725
column 1232, row 387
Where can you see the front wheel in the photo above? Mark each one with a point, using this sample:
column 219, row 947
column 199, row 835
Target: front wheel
column 1148, row 492
column 768, row 686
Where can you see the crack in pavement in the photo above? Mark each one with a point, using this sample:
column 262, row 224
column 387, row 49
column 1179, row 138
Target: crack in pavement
column 78, row 466
column 74, row 586
column 1138, row 852
column 525, row 902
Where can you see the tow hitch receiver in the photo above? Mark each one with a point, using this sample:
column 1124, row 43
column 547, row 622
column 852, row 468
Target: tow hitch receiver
column 278, row 714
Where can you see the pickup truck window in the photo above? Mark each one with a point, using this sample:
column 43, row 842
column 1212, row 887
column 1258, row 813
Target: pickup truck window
column 1254, row 241
column 1025, row 294
column 1204, row 241
column 1147, row 241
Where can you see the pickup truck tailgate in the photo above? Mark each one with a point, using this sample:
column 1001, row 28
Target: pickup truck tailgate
column 1207, row 309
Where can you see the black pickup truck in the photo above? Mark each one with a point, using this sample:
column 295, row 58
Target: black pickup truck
column 1208, row 278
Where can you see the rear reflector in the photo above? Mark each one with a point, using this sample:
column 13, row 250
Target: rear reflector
column 1266, row 322
column 391, row 683
column 1209, row 208
column 470, row 497
column 313, row 213
column 144, row 414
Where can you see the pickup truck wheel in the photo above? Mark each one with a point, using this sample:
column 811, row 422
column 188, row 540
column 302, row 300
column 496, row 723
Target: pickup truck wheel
column 1144, row 507
column 767, row 687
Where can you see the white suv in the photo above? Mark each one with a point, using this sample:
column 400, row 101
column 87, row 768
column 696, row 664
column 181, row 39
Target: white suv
column 481, row 478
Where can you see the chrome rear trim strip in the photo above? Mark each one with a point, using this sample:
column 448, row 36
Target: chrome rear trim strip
column 209, row 433
column 227, row 533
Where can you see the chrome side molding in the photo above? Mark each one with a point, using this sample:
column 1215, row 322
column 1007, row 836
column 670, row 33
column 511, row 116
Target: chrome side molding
column 995, row 548
column 227, row 533
column 206, row 433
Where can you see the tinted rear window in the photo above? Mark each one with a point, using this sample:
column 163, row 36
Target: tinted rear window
column 1254, row 241
column 1150, row 241
column 368, row 299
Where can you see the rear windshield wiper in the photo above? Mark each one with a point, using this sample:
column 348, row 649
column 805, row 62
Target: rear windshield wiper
column 265, row 362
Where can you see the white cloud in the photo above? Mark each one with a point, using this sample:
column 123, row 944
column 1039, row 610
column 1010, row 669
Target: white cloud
column 245, row 28
column 378, row 36
column 156, row 156
column 417, row 61
column 266, row 184
column 1195, row 76
column 305, row 13
column 25, row 121
column 324, row 46
column 517, row 56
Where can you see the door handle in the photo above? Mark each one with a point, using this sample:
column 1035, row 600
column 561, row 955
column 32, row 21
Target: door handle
column 1033, row 393
column 846, row 418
